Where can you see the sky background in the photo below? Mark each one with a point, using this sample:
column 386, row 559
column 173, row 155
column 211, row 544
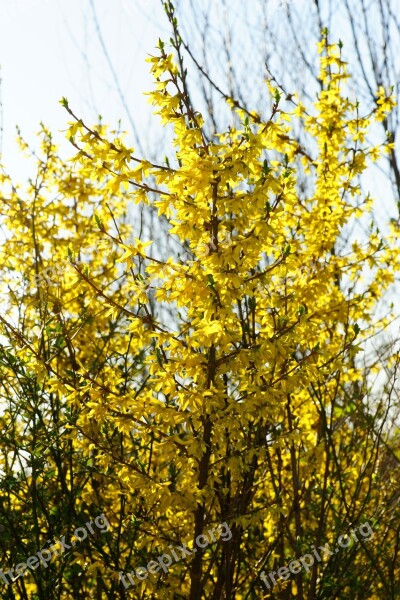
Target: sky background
column 50, row 49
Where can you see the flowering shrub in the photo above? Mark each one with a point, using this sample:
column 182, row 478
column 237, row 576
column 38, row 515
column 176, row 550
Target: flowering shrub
column 217, row 382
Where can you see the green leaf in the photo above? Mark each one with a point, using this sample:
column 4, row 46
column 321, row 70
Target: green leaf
column 302, row 310
column 159, row 357
column 99, row 223
column 266, row 168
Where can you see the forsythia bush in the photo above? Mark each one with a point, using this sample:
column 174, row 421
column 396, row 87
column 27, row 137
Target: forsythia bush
column 214, row 378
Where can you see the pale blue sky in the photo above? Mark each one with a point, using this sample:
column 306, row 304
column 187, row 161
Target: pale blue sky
column 49, row 49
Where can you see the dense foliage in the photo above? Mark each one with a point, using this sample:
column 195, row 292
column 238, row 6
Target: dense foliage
column 212, row 379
